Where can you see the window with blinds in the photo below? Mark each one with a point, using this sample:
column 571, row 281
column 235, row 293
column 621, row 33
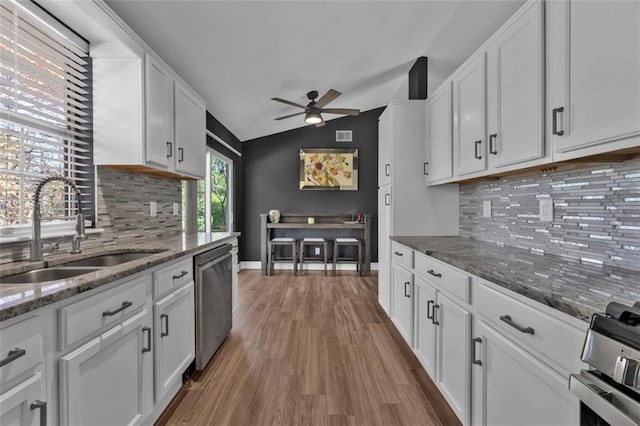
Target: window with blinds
column 45, row 114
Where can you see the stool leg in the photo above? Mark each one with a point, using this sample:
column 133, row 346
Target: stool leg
column 269, row 257
column 335, row 257
column 324, row 249
column 294, row 258
column 301, row 258
column 359, row 265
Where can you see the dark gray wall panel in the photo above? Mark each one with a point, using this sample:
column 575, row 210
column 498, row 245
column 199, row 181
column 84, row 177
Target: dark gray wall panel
column 271, row 175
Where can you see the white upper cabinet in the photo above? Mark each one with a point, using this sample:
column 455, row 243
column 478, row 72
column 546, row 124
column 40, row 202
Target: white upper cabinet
column 515, row 89
column 190, row 133
column 160, row 146
column 594, row 76
column 384, row 150
column 438, row 153
column 469, row 117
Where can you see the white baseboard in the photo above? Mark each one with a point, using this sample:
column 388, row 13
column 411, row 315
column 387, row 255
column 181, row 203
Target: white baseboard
column 251, row 264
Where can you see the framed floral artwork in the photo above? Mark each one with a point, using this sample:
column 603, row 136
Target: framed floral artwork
column 328, row 168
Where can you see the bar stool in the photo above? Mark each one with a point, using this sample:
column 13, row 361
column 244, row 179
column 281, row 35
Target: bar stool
column 282, row 242
column 313, row 242
column 340, row 242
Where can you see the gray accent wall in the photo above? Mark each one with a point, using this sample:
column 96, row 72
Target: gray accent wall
column 596, row 216
column 271, row 176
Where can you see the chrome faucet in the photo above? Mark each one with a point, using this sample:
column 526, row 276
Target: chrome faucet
column 36, row 241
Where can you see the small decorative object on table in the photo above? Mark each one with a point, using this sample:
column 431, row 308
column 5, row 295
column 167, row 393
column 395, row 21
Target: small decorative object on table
column 311, row 220
column 274, row 216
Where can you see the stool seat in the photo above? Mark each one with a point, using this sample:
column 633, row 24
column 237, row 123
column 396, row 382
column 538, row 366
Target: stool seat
column 282, row 240
column 313, row 240
column 347, row 240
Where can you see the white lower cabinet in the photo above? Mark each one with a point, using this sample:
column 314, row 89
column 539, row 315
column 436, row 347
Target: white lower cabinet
column 511, row 386
column 174, row 319
column 24, row 404
column 453, row 372
column 442, row 333
column 402, row 301
column 109, row 380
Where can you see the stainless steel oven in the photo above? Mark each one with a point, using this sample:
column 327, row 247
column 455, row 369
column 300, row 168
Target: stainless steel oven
column 610, row 393
column 213, row 270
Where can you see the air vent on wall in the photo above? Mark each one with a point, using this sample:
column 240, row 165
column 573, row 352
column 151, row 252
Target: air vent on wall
column 344, row 135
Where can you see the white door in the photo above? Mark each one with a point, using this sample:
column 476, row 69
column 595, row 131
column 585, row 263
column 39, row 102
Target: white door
column 515, row 91
column 425, row 329
column 469, row 120
column 402, row 301
column 384, row 248
column 453, row 371
column 190, row 133
column 109, row 380
column 439, row 152
column 159, row 146
column 24, row 404
column 594, row 65
column 174, row 337
column 511, row 387
column 384, row 150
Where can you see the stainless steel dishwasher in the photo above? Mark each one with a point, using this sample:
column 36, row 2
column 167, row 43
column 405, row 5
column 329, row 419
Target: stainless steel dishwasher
column 213, row 301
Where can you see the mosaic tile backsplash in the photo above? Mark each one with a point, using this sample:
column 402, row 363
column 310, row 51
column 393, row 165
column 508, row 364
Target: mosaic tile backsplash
column 596, row 216
column 123, row 212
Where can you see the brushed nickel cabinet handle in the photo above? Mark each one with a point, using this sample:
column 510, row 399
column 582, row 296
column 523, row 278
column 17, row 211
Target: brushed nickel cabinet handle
column 13, row 354
column 124, row 306
column 525, row 330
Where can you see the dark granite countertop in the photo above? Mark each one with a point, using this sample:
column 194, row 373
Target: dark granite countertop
column 567, row 285
column 17, row 299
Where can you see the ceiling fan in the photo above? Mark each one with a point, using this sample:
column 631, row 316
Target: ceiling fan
column 314, row 108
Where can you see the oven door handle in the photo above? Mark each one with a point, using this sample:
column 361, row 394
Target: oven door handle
column 596, row 394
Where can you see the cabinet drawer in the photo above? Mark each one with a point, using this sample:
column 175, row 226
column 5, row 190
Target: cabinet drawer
column 402, row 254
column 444, row 277
column 87, row 316
column 21, row 348
column 559, row 341
column 173, row 276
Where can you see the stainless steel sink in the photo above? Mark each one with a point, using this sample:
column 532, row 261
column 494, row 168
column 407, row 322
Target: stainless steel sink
column 45, row 275
column 106, row 260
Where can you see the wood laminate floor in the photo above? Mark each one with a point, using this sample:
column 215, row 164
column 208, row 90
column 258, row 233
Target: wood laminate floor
column 310, row 350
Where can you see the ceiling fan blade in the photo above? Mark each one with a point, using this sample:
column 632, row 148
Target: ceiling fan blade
column 327, row 97
column 320, row 124
column 345, row 111
column 288, row 116
column 284, row 101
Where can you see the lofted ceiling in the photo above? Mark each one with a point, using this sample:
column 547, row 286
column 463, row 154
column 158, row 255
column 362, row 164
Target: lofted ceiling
column 239, row 54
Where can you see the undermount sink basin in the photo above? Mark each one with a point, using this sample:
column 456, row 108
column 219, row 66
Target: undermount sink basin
column 44, row 275
column 108, row 259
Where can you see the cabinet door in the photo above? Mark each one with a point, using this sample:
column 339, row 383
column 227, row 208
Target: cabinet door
column 594, row 65
column 425, row 329
column 453, row 365
column 384, row 248
column 515, row 95
column 469, row 120
column 384, row 150
column 402, row 301
column 174, row 337
column 439, row 152
column 109, row 380
column 24, row 404
column 513, row 387
column 159, row 147
column 190, row 133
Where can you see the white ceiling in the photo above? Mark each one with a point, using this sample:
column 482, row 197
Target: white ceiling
column 239, row 54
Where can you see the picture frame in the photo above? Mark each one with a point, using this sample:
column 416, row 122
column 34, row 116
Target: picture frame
column 329, row 169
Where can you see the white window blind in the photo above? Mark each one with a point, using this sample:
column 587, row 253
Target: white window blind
column 45, row 114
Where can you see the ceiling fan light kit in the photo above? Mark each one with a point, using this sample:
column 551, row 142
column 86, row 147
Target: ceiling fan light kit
column 314, row 109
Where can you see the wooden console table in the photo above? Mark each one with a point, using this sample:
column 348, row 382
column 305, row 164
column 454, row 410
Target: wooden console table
column 323, row 221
